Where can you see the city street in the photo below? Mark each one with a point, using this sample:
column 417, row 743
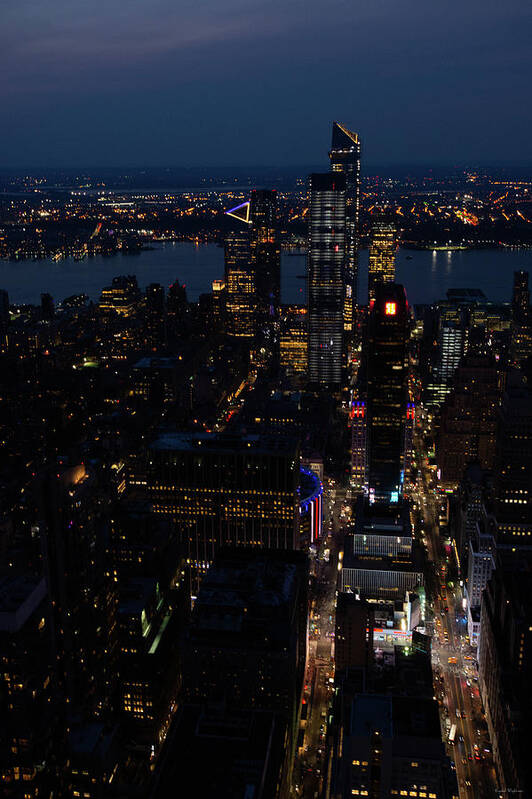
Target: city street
column 308, row 768
column 454, row 661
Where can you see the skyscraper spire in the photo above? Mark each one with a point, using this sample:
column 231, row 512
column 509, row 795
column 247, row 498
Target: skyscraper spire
column 345, row 157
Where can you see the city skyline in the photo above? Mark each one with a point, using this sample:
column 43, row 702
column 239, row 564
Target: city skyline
column 265, row 433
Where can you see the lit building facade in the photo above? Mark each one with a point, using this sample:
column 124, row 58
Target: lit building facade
column 221, row 489
column 358, row 418
column 410, row 423
column 121, row 297
column 345, row 158
column 218, row 302
column 380, row 562
column 480, row 565
column 451, row 347
column 240, row 289
column 293, row 344
column 326, row 257
column 310, row 507
column 381, row 255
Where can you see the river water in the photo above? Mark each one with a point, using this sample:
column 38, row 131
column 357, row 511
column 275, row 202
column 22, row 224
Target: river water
column 426, row 275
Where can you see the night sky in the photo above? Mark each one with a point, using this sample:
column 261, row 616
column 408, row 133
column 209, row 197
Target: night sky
column 257, row 82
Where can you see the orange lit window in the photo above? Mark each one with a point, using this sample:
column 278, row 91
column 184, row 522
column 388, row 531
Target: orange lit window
column 389, row 309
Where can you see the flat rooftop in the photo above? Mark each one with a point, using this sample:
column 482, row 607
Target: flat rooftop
column 20, row 596
column 215, row 442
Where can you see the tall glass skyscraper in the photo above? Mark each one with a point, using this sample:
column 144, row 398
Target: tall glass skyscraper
column 381, row 255
column 387, row 392
column 345, row 158
column 325, row 266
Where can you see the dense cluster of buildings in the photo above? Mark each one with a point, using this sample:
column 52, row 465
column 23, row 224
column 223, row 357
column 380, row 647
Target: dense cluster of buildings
column 163, row 517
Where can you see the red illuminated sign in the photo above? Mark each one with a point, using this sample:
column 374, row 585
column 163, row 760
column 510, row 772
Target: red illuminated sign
column 390, row 308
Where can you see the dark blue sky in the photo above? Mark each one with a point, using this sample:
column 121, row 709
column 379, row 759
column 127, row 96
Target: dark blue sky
column 238, row 82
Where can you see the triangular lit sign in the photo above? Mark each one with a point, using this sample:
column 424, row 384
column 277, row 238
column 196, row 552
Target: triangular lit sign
column 241, row 212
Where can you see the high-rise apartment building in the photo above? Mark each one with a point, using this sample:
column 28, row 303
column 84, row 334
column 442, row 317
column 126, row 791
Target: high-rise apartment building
column 381, row 255
column 345, row 158
column 386, row 364
column 326, row 257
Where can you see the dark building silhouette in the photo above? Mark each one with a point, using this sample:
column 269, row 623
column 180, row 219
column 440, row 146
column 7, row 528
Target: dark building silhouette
column 265, row 254
column 248, row 636
column 27, row 684
column 155, row 315
column 513, row 469
column 353, row 640
column 521, row 349
column 386, row 361
column 47, row 307
column 4, row 320
column 520, row 297
column 385, row 734
column 245, row 751
column 83, row 596
column 469, row 418
column 505, row 670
